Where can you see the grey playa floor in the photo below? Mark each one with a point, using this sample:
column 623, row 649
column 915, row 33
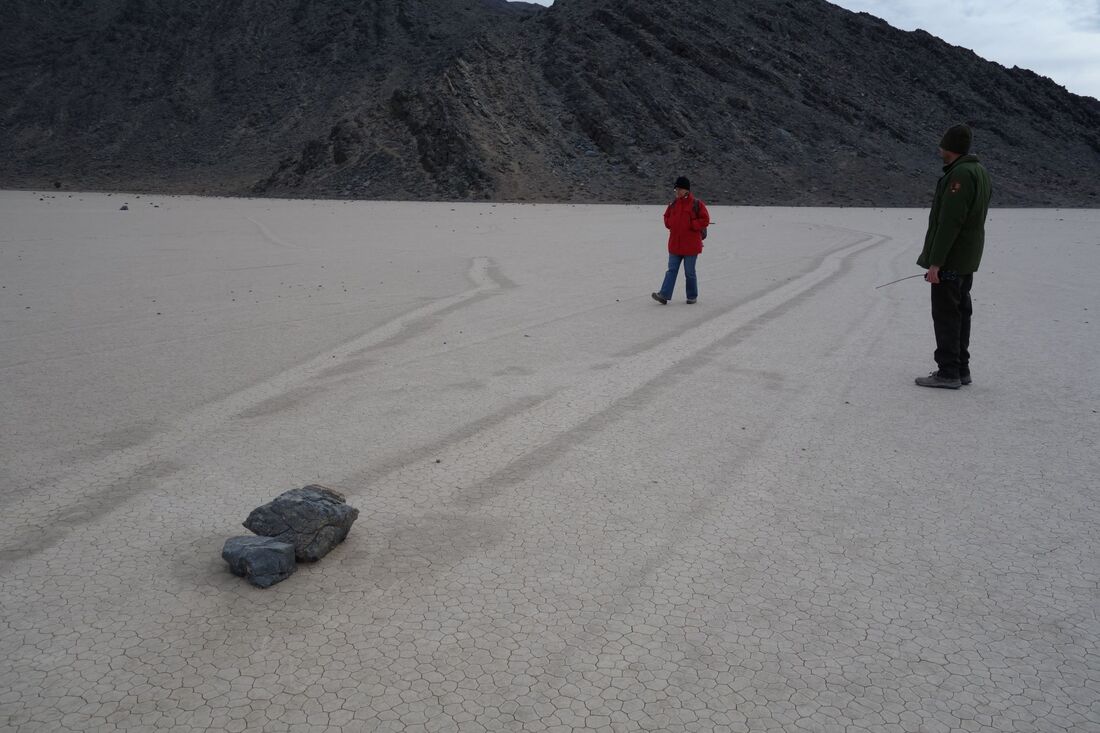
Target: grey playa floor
column 579, row 510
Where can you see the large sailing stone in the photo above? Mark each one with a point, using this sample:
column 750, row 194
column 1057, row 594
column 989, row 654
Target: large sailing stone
column 314, row 519
column 262, row 561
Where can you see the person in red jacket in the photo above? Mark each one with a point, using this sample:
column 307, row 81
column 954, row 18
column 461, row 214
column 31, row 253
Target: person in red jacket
column 686, row 219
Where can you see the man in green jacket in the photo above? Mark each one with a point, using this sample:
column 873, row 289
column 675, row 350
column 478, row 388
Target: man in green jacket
column 952, row 253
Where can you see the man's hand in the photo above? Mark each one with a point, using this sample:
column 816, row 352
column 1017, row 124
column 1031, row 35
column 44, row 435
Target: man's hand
column 933, row 275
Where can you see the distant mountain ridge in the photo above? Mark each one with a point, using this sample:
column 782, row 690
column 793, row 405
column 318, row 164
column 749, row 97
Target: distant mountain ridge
column 794, row 102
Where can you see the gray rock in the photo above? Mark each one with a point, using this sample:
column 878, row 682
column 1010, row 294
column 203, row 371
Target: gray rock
column 314, row 519
column 262, row 561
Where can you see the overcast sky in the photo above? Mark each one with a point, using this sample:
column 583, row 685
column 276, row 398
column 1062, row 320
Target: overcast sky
column 1055, row 38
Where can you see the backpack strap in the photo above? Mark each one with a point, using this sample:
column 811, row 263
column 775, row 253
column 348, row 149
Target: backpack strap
column 695, row 208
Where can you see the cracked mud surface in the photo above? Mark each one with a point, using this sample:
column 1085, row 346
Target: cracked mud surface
column 580, row 510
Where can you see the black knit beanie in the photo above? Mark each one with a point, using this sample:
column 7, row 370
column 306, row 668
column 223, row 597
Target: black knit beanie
column 957, row 139
column 683, row 182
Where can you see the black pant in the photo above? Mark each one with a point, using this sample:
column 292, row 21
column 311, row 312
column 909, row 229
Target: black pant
column 951, row 311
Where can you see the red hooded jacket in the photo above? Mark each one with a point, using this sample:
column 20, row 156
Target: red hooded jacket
column 684, row 227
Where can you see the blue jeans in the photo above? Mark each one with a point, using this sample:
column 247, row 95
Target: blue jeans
column 690, row 280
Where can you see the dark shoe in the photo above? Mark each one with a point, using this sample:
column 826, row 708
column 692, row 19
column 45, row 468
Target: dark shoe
column 965, row 379
column 935, row 380
column 691, row 301
column 659, row 298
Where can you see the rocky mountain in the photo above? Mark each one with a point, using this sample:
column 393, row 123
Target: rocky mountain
column 759, row 101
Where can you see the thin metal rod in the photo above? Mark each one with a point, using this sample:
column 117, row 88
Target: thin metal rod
column 919, row 274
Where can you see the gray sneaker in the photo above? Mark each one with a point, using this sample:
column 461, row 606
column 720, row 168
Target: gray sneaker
column 659, row 298
column 936, row 380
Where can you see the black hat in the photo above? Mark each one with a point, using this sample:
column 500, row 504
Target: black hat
column 957, row 139
column 683, row 182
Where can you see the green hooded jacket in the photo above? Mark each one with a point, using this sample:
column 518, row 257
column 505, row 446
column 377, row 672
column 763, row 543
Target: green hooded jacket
column 956, row 224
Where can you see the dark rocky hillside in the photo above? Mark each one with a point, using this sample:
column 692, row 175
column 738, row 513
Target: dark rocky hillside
column 760, row 101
